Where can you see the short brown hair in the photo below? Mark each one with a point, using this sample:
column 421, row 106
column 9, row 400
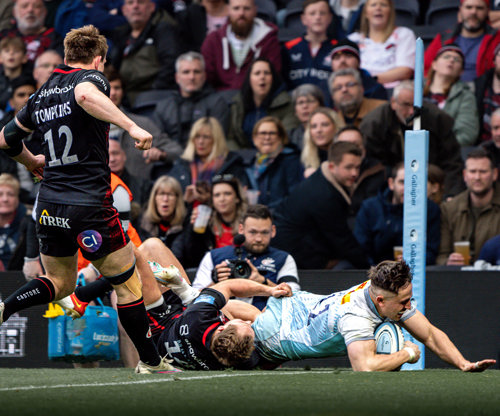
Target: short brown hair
column 279, row 126
column 337, row 151
column 309, row 2
column 230, row 349
column 84, row 44
column 14, row 42
column 390, row 275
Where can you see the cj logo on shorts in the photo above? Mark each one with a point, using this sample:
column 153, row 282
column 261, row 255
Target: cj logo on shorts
column 89, row 240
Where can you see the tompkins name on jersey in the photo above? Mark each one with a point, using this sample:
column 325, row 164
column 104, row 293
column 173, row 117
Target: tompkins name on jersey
column 50, row 113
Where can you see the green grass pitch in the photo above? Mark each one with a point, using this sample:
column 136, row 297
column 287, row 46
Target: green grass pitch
column 117, row 391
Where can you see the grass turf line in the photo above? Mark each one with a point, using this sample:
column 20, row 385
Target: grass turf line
column 283, row 392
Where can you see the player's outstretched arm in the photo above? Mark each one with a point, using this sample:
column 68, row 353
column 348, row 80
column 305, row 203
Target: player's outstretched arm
column 363, row 356
column 100, row 106
column 438, row 342
column 244, row 288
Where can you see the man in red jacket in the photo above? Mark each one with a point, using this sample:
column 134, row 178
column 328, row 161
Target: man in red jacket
column 229, row 50
column 474, row 37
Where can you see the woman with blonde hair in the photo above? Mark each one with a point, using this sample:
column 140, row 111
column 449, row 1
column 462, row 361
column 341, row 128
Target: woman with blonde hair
column 206, row 155
column 165, row 212
column 387, row 51
column 320, row 131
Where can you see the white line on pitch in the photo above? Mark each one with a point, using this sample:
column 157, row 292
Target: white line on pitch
column 178, row 377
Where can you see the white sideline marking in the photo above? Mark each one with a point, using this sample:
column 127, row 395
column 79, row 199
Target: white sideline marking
column 178, row 376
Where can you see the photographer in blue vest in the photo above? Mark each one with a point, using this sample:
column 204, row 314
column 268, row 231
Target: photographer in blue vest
column 250, row 257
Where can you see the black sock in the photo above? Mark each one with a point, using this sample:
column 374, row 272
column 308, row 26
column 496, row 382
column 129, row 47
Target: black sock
column 93, row 290
column 135, row 322
column 38, row 291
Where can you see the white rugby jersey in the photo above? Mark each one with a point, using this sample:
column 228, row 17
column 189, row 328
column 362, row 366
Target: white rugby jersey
column 313, row 326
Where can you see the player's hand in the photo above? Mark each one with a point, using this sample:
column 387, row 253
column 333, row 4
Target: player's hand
column 478, row 366
column 32, row 268
column 223, row 271
column 154, row 155
column 415, row 349
column 455, row 259
column 36, row 165
column 282, row 290
column 143, row 139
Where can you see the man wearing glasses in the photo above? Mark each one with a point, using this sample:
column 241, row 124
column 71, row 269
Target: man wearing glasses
column 267, row 265
column 346, row 89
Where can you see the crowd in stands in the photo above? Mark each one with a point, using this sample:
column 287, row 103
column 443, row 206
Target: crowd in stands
column 304, row 102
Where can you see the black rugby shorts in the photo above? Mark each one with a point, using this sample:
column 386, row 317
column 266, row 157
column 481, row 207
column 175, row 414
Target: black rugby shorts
column 62, row 229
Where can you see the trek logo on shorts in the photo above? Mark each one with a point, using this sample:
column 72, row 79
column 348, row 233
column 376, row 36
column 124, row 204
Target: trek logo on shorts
column 89, row 240
column 48, row 220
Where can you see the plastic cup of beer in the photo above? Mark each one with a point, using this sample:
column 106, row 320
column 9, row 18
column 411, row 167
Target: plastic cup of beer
column 252, row 196
column 398, row 251
column 200, row 224
column 463, row 247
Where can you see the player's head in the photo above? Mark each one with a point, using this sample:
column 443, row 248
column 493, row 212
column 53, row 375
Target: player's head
column 391, row 288
column 232, row 343
column 258, row 228
column 84, row 45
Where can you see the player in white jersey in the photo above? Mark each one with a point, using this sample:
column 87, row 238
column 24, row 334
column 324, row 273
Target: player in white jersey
column 312, row 326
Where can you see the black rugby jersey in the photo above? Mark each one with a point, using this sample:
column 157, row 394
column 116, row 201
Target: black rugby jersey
column 75, row 144
column 187, row 339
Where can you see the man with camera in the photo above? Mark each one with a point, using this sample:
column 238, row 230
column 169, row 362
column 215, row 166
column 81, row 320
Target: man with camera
column 250, row 257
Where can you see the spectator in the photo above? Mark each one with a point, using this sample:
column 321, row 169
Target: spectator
column 145, row 49
column 312, row 221
column 387, row 51
column 30, row 26
column 276, row 169
column 45, row 65
column 487, row 91
column 347, row 92
column 139, row 187
column 305, row 99
column 473, row 215
column 268, row 264
column 14, row 64
column 347, row 16
column 345, row 55
column 493, row 145
column 140, row 164
column 194, row 99
column 435, row 183
column 474, row 37
column 445, row 90
column 490, row 252
column 206, row 155
column 12, row 214
column 198, row 20
column 307, row 59
column 372, row 176
column 262, row 94
column 320, row 131
column 229, row 50
column 379, row 223
column 107, row 15
column 229, row 205
column 384, row 129
column 164, row 214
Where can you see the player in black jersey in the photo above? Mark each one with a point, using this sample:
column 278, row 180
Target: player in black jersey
column 72, row 112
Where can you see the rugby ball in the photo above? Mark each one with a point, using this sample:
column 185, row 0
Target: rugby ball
column 389, row 338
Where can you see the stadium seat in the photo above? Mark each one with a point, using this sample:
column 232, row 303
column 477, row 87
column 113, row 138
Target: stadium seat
column 407, row 12
column 266, row 10
column 292, row 18
column 146, row 101
column 442, row 14
column 426, row 32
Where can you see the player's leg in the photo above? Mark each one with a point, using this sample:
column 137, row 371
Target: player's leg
column 59, row 281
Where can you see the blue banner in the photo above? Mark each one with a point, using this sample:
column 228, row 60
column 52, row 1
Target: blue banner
column 415, row 222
